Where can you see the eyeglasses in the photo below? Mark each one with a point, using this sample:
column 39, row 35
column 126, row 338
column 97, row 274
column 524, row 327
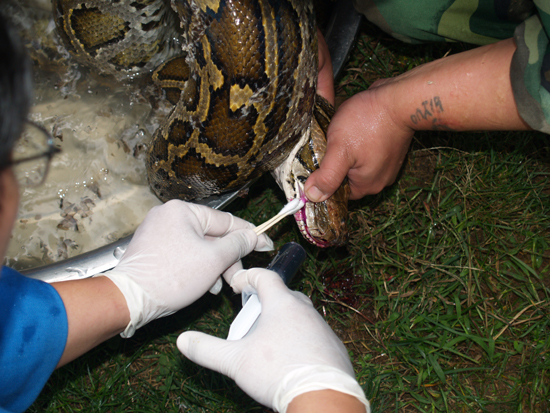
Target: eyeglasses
column 32, row 154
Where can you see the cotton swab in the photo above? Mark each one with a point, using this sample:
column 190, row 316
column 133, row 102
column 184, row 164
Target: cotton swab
column 291, row 208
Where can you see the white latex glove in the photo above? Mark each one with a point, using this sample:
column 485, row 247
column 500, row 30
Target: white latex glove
column 290, row 351
column 176, row 255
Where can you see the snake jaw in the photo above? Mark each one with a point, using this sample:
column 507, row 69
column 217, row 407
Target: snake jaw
column 302, row 221
column 302, row 226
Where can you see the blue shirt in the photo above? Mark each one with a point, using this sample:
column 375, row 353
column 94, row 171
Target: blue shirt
column 33, row 334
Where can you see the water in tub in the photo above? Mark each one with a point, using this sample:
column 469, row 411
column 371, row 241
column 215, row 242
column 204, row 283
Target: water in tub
column 96, row 191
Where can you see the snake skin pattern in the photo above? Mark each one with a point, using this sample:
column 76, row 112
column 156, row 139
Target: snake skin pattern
column 242, row 77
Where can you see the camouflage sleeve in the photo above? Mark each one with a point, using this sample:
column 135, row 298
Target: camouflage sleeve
column 530, row 69
column 420, row 21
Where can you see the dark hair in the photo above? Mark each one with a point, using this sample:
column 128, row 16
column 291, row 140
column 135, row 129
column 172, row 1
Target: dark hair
column 15, row 88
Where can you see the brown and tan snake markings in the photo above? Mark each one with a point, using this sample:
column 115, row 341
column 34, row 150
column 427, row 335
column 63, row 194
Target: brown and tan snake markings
column 242, row 77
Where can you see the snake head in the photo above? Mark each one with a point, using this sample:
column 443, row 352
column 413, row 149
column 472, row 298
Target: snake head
column 324, row 224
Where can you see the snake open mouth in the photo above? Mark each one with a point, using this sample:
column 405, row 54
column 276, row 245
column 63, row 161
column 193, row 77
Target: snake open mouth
column 310, row 229
column 300, row 218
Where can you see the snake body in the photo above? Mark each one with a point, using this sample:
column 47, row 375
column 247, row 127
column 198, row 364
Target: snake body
column 244, row 92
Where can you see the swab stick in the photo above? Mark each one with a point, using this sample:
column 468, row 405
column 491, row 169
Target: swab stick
column 291, row 208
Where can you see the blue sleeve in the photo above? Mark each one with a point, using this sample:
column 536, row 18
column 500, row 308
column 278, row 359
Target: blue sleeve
column 33, row 334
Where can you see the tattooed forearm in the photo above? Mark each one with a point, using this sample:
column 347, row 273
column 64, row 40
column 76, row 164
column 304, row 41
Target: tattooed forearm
column 430, row 110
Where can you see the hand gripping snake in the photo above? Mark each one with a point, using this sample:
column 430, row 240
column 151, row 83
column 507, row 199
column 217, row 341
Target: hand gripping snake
column 242, row 77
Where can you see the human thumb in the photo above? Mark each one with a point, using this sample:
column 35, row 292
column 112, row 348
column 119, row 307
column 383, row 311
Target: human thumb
column 323, row 182
column 211, row 352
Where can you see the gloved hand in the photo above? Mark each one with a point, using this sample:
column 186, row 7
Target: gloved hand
column 291, row 350
column 176, row 255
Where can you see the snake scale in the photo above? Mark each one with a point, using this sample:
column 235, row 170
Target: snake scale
column 242, row 77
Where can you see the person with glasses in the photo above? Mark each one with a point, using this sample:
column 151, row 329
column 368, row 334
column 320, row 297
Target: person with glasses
column 291, row 362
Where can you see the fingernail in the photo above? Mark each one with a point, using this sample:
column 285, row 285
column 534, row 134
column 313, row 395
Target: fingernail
column 314, row 194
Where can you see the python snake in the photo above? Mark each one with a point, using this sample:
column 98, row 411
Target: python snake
column 242, row 77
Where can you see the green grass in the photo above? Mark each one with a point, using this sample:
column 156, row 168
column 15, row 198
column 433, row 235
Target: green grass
column 441, row 295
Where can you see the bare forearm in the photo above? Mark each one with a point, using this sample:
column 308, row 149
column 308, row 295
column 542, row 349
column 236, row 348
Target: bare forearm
column 325, row 401
column 96, row 311
column 325, row 81
column 466, row 91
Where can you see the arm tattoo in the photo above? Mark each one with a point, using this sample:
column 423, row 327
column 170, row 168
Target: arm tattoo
column 429, row 110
